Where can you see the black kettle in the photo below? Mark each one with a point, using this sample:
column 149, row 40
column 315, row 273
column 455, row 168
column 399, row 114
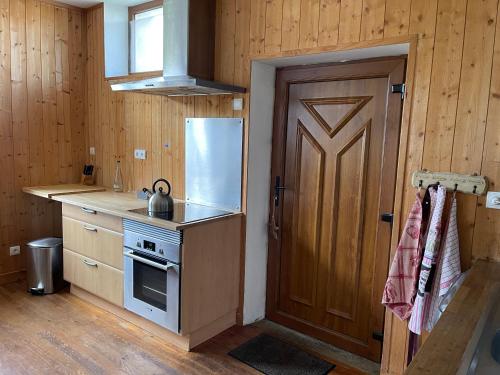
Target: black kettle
column 159, row 202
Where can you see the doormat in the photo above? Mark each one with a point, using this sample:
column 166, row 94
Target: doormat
column 271, row 356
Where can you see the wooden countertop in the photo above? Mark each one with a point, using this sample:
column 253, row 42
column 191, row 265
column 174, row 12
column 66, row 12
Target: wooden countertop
column 54, row 190
column 451, row 343
column 110, row 202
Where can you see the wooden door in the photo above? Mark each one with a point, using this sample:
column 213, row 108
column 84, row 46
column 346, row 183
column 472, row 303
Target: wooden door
column 335, row 146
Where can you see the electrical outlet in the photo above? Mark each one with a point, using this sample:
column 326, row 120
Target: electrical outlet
column 15, row 250
column 140, row 154
column 493, row 200
column 92, row 151
column 238, row 104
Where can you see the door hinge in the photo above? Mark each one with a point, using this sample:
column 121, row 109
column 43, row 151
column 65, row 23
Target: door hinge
column 388, row 217
column 379, row 336
column 400, row 88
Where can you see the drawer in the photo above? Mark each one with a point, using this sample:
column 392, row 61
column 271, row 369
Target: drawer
column 80, row 271
column 93, row 276
column 93, row 217
column 94, row 242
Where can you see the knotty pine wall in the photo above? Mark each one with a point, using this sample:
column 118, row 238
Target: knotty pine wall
column 118, row 123
column 42, row 134
column 455, row 117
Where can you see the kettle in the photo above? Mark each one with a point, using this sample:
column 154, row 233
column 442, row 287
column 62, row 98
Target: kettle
column 160, row 203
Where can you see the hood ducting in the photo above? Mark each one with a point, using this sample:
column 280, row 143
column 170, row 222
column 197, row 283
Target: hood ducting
column 188, row 53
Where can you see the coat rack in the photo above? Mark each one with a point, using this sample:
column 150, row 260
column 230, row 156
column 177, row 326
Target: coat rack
column 477, row 185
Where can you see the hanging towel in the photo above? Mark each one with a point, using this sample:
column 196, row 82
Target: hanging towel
column 400, row 286
column 448, row 268
column 428, row 265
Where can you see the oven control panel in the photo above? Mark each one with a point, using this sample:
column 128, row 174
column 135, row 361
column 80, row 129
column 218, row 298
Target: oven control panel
column 153, row 247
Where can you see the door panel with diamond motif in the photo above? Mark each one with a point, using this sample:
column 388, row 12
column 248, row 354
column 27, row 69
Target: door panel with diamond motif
column 339, row 172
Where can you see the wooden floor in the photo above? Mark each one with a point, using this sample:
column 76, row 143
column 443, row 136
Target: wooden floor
column 61, row 334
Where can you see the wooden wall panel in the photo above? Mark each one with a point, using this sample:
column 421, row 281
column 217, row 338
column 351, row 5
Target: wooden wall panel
column 372, row 19
column 457, row 58
column 397, row 16
column 290, row 26
column 350, row 21
column 445, row 81
column 309, row 23
column 274, row 18
column 455, row 43
column 41, row 117
column 329, row 17
column 468, row 140
column 486, row 239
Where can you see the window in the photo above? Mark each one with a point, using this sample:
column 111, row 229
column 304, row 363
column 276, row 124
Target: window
column 146, row 38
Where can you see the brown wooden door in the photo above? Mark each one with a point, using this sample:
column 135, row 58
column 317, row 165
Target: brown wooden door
column 335, row 149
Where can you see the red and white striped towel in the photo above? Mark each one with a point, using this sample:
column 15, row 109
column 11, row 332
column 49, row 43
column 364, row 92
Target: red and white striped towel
column 421, row 306
column 448, row 268
column 400, row 287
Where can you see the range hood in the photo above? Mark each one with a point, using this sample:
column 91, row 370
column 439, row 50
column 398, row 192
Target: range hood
column 188, row 53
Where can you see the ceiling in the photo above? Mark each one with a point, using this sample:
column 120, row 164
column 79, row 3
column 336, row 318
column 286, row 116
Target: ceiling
column 89, row 3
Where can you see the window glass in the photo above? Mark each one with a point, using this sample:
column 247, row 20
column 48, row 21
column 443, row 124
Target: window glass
column 147, row 41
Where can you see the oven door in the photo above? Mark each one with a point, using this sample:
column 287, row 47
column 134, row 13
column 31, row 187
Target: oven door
column 152, row 289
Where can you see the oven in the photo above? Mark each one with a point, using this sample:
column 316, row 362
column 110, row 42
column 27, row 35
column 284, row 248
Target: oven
column 152, row 273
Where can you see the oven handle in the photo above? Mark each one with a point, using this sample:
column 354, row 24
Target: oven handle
column 151, row 263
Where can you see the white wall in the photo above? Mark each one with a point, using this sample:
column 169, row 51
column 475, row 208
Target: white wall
column 259, row 167
column 116, row 39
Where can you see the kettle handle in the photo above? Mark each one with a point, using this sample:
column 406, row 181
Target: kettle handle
column 165, row 181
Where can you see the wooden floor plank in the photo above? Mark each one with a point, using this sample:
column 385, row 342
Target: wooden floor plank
column 61, row 334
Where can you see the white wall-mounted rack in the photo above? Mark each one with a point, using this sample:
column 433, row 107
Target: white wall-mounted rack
column 468, row 184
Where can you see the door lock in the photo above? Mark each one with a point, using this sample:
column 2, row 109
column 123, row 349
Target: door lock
column 277, row 190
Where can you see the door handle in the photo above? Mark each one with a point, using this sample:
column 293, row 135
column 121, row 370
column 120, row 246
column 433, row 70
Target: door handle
column 90, row 229
column 277, row 190
column 275, row 228
column 89, row 211
column 90, row 264
column 166, row 267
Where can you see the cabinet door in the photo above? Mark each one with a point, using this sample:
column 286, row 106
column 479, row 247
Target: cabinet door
column 110, row 284
column 93, row 276
column 80, row 271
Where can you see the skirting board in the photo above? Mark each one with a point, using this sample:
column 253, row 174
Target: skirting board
column 187, row 342
column 11, row 277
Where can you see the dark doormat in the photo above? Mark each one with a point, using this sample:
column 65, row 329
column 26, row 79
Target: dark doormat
column 275, row 357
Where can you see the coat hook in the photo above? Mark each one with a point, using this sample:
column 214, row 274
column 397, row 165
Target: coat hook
column 456, row 188
column 474, row 191
column 421, row 183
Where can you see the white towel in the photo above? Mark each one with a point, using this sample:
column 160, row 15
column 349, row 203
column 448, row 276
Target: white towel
column 421, row 305
column 448, row 268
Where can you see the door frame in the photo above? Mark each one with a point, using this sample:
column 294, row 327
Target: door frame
column 395, row 69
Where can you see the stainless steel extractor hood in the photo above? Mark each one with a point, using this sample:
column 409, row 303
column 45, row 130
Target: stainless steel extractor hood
column 188, row 53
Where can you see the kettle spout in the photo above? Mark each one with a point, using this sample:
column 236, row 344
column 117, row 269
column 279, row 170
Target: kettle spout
column 148, row 193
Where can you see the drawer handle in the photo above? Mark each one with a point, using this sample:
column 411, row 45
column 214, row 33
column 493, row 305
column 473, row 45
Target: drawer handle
column 89, row 211
column 90, row 229
column 90, row 264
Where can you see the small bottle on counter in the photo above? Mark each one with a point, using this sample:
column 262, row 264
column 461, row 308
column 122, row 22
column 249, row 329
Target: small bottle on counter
column 118, row 181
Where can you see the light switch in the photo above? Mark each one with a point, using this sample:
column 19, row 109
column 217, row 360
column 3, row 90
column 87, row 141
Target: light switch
column 92, row 151
column 493, row 200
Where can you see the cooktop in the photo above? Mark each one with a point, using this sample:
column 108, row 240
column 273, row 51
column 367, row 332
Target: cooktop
column 186, row 213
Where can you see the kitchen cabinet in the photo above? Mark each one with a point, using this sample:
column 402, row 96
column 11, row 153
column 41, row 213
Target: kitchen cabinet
column 209, row 264
column 93, row 252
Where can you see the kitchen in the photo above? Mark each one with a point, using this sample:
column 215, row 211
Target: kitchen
column 61, row 109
